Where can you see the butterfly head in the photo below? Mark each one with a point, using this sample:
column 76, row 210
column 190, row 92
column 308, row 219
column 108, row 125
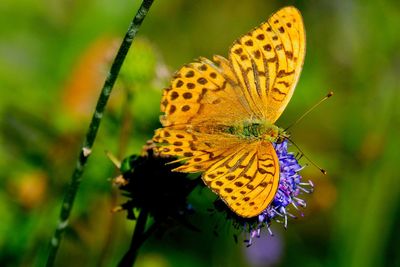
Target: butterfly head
column 275, row 134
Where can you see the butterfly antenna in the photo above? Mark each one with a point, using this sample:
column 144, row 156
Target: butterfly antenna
column 302, row 153
column 311, row 109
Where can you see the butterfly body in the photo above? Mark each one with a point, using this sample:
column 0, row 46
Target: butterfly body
column 252, row 130
column 219, row 116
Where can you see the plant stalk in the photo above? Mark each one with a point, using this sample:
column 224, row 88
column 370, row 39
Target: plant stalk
column 91, row 134
column 137, row 240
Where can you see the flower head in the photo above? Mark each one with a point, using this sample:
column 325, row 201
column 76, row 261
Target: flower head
column 289, row 188
column 149, row 184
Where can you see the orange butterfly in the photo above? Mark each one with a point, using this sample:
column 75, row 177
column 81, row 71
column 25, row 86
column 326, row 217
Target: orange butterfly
column 219, row 115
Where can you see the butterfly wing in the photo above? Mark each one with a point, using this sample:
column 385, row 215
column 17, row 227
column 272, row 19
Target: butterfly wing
column 268, row 60
column 199, row 106
column 244, row 174
column 202, row 93
column 199, row 150
column 247, row 179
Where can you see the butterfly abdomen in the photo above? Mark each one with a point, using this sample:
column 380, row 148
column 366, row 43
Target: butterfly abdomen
column 253, row 130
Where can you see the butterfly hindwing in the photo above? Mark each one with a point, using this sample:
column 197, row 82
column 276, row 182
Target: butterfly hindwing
column 199, row 150
column 246, row 179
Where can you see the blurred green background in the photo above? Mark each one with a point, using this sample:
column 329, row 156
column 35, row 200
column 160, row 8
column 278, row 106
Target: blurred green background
column 54, row 56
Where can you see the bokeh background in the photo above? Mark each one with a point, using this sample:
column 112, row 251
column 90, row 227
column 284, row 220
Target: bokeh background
column 54, row 56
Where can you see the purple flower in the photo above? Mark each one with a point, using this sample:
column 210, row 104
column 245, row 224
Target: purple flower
column 290, row 186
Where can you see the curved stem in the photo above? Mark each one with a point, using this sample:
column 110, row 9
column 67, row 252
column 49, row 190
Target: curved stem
column 137, row 240
column 91, row 134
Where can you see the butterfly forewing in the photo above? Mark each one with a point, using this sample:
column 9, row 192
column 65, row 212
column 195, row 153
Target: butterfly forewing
column 199, row 95
column 268, row 60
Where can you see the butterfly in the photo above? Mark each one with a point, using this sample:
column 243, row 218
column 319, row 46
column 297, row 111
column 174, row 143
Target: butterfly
column 219, row 115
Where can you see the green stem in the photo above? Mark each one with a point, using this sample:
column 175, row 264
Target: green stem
column 86, row 149
column 137, row 240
